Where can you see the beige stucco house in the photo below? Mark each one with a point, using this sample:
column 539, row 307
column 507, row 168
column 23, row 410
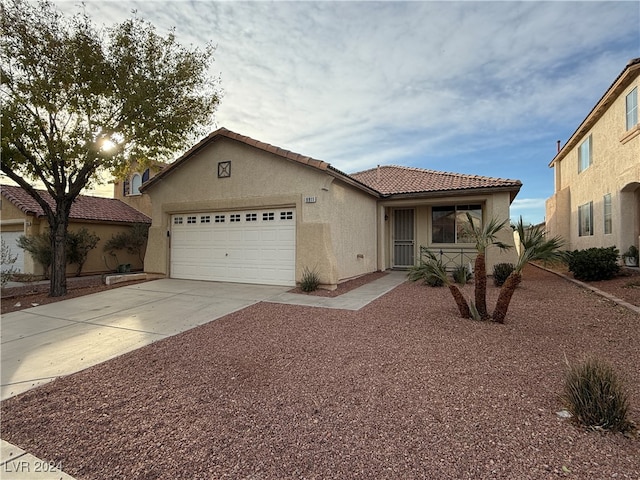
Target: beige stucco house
column 236, row 209
column 105, row 217
column 596, row 201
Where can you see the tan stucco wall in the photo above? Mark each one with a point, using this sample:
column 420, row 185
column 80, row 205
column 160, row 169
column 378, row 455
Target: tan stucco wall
column 325, row 238
column 615, row 170
column 494, row 206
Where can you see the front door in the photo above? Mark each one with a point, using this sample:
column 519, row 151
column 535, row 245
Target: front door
column 403, row 238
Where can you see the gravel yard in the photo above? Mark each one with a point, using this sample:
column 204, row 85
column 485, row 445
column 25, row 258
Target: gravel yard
column 403, row 388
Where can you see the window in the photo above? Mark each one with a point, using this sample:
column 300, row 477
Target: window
column 449, row 222
column 585, row 219
column 251, row 217
column 608, row 227
column 205, row 219
column 191, row 219
column 219, row 219
column 177, row 221
column 286, row 215
column 584, row 155
column 136, row 183
column 234, row 217
column 268, row 216
column 632, row 109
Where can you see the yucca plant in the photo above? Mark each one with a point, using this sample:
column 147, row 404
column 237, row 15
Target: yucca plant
column 596, row 396
column 535, row 246
column 483, row 236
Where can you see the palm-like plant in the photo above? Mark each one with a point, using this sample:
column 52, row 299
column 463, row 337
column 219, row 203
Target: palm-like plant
column 483, row 237
column 535, row 246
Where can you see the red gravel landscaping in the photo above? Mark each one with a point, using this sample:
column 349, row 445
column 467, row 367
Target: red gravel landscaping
column 401, row 389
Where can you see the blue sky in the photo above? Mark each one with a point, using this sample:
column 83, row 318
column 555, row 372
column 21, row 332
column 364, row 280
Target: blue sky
column 483, row 88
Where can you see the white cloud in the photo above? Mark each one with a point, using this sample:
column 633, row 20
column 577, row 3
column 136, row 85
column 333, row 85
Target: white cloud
column 357, row 84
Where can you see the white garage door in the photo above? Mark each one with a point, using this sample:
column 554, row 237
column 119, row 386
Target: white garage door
column 253, row 246
column 10, row 239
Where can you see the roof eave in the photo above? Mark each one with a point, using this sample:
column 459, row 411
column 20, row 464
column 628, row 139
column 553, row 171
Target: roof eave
column 512, row 189
column 616, row 88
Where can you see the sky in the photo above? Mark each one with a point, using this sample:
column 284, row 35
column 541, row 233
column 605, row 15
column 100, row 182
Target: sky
column 481, row 88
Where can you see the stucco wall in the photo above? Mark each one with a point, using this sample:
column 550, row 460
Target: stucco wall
column 263, row 180
column 615, row 170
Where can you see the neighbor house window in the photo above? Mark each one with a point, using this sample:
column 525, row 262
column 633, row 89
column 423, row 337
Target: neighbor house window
column 448, row 223
column 632, row 108
column 606, row 201
column 585, row 219
column 584, row 155
column 136, row 183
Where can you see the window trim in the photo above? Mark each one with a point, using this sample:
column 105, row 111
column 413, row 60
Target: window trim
column 588, row 143
column 631, row 115
column 607, row 214
column 582, row 219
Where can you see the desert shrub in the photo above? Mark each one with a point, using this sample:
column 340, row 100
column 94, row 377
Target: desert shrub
column 310, row 280
column 594, row 263
column 596, row 397
column 501, row 272
column 461, row 274
column 79, row 244
column 428, row 272
column 77, row 248
column 133, row 241
column 39, row 247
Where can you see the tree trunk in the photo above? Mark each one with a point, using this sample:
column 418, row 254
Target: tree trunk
column 504, row 298
column 481, row 286
column 58, row 279
column 463, row 306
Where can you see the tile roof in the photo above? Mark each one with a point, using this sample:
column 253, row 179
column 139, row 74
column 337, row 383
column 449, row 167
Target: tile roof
column 84, row 207
column 396, row 180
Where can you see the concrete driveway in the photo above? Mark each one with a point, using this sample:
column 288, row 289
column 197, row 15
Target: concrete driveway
column 45, row 342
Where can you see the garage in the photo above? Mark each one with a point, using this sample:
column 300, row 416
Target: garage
column 249, row 246
column 10, row 239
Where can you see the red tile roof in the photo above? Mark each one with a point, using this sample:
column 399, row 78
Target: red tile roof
column 395, row 180
column 84, row 207
column 388, row 180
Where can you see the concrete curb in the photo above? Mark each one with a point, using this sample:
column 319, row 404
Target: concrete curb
column 606, row 295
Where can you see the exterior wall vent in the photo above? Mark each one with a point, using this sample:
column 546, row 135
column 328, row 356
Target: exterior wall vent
column 310, row 199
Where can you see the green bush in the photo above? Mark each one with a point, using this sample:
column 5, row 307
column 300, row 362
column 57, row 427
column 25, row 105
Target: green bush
column 133, row 241
column 594, row 263
column 596, row 397
column 461, row 274
column 77, row 248
column 501, row 272
column 39, row 247
column 428, row 272
column 310, row 280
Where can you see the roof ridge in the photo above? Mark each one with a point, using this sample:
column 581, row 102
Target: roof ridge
column 437, row 172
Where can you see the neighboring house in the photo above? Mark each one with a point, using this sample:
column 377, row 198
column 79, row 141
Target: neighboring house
column 21, row 215
column 128, row 189
column 596, row 201
column 236, row 209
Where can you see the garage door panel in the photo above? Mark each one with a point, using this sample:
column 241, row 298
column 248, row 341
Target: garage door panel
column 256, row 247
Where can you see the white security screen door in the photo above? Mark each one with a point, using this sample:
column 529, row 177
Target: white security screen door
column 403, row 238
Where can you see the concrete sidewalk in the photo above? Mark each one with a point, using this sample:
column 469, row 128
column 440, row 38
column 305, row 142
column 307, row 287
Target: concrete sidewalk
column 42, row 343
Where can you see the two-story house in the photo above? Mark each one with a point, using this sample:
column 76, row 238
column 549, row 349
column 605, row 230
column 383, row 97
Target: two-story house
column 596, row 201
